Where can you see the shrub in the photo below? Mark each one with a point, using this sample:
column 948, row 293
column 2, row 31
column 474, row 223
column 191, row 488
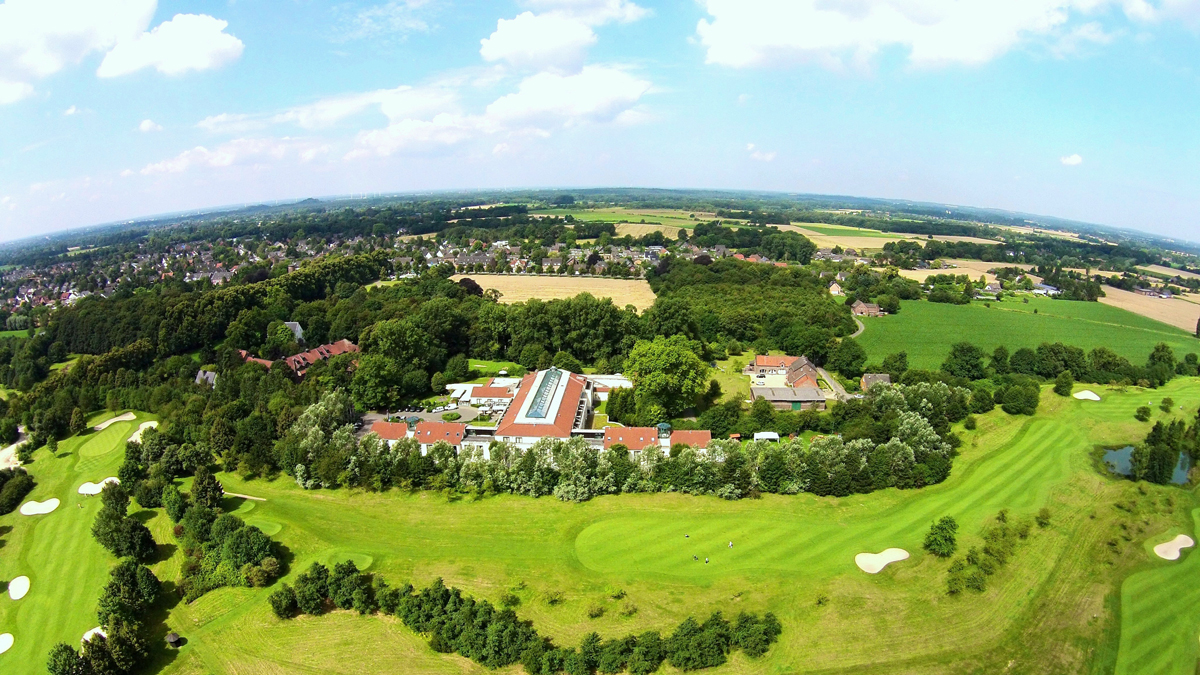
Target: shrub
column 628, row 608
column 283, row 602
column 554, row 598
column 509, row 600
column 1043, row 518
column 451, row 416
column 969, row 424
column 1142, row 414
column 940, row 540
column 595, row 611
column 14, row 485
column 1064, row 383
column 1167, row 404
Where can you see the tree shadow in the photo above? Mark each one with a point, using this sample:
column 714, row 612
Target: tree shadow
column 144, row 516
column 165, row 551
column 161, row 654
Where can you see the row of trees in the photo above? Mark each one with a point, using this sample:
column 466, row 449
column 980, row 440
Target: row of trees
column 495, row 637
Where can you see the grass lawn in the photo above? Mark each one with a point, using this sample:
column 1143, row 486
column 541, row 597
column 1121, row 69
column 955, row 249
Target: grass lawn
column 1056, row 607
column 63, row 365
column 13, row 334
column 927, row 330
column 728, row 373
column 619, row 215
column 66, row 567
column 489, row 369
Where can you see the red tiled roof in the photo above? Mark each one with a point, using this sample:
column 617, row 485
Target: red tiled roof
column 564, row 418
column 491, row 392
column 696, row 439
column 634, row 438
column 300, row 362
column 390, row 431
column 768, row 361
column 432, row 432
column 252, row 359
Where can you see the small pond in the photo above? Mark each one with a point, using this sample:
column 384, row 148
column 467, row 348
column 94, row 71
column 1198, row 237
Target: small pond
column 1118, row 462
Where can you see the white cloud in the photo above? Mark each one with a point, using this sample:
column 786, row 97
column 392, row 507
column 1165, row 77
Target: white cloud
column 539, row 41
column 398, row 17
column 559, row 36
column 237, row 123
column 11, row 92
column 759, row 155
column 743, row 33
column 149, row 125
column 238, row 151
column 1078, row 38
column 1071, row 160
column 399, row 103
column 595, row 94
column 592, row 12
column 70, row 111
column 186, row 42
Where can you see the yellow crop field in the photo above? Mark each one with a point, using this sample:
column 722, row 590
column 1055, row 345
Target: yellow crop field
column 1175, row 312
column 518, row 288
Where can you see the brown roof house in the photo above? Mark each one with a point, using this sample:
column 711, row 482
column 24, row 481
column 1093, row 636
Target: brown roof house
column 860, row 308
column 871, row 379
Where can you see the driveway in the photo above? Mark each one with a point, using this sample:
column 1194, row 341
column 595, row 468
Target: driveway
column 838, row 389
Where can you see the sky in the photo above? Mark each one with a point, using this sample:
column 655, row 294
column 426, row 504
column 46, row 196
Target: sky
column 118, row 109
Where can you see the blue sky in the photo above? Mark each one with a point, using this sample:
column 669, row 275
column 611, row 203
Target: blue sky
column 1086, row 109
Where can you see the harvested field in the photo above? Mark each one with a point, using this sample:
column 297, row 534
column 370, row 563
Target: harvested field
column 1174, row 312
column 1167, row 271
column 641, row 230
column 518, row 288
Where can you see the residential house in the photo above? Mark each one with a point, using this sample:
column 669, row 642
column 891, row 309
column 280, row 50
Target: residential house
column 860, row 308
column 696, row 439
column 835, row 289
column 296, row 330
column 636, row 439
column 302, row 361
column 207, row 377
column 871, row 379
column 390, row 431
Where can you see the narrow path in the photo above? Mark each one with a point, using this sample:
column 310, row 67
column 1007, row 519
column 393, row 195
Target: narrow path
column 861, row 328
column 254, row 499
column 838, row 389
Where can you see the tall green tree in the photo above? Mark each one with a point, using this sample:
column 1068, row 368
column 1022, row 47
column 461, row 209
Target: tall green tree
column 667, row 373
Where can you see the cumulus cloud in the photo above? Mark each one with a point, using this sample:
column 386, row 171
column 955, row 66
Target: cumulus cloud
column 558, row 37
column 233, row 123
column 11, row 92
column 70, row 111
column 149, row 125
column 539, row 41
column 239, row 151
column 399, row 103
column 1071, row 160
column 186, row 42
column 743, row 33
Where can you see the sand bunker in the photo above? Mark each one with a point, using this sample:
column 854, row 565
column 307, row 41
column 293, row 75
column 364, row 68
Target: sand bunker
column 90, row 488
column 1087, row 395
column 6, row 641
column 95, row 631
column 872, row 563
column 120, row 418
column 17, row 588
column 1170, row 550
column 39, row 508
column 137, row 435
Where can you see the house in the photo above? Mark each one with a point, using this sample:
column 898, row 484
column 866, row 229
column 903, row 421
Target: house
column 634, row 438
column 207, row 377
column 790, row 398
column 802, row 373
column 427, row 433
column 390, row 431
column 252, row 359
column 549, row 403
column 696, row 439
column 1045, row 289
column 302, row 361
column 766, row 436
column 860, row 308
column 296, row 330
column 993, row 288
column 835, row 288
column 488, row 394
column 871, row 379
column 766, row 364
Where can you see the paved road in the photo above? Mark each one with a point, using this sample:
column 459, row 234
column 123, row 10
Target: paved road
column 860, row 330
column 838, row 389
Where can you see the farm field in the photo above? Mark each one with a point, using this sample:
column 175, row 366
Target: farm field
column 519, row 288
column 66, row 567
column 1059, row 589
column 641, row 230
column 1183, row 314
column 927, row 330
column 1169, row 272
column 616, row 215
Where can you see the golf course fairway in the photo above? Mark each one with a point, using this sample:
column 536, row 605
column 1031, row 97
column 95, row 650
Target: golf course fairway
column 1079, row 595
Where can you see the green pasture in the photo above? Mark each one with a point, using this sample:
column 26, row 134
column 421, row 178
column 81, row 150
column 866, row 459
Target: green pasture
column 927, row 330
column 620, row 215
column 1058, row 606
column 846, row 231
column 5, row 334
column 489, row 369
column 66, row 567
